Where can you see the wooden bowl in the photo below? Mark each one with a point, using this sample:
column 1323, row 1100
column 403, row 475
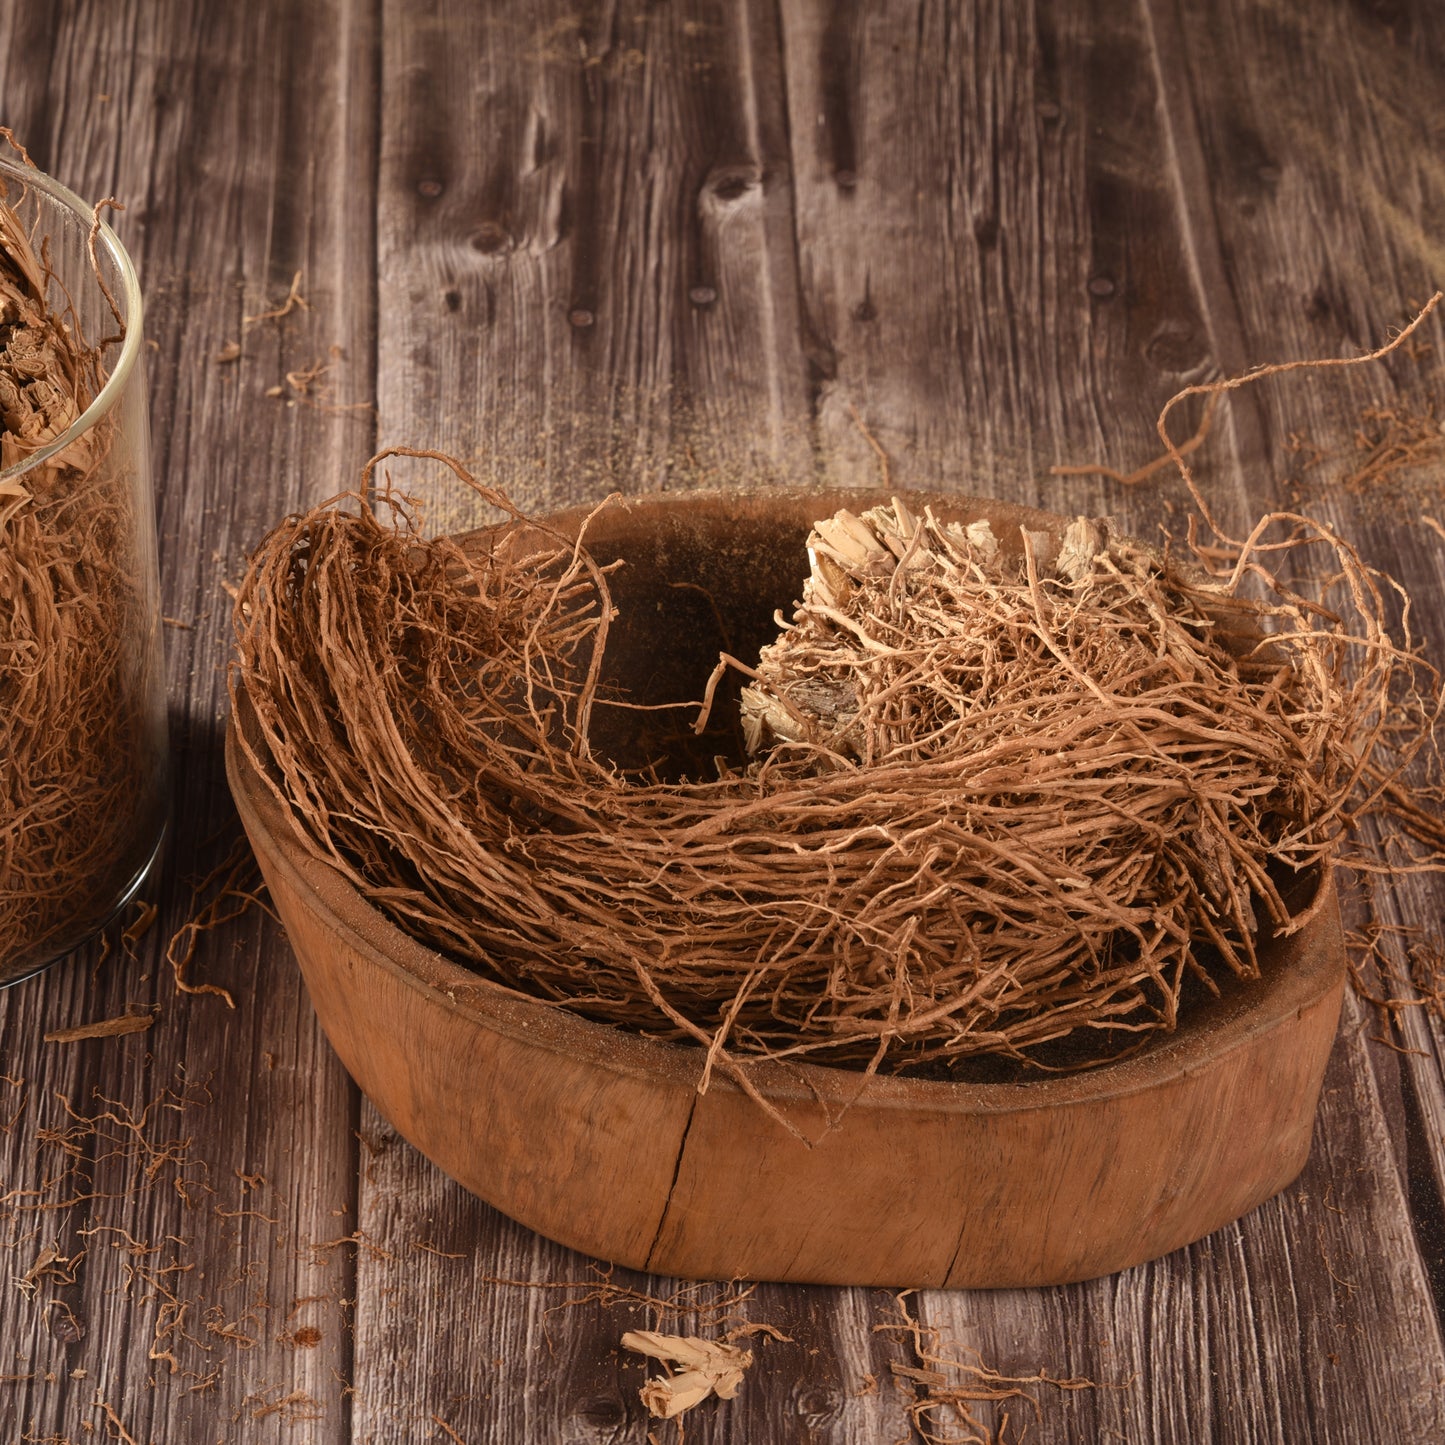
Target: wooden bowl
column 600, row 1140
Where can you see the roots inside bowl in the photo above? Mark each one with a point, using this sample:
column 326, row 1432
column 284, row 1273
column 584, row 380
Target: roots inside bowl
column 492, row 737
column 684, row 594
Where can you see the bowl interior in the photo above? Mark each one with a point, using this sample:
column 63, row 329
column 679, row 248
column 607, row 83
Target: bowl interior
column 705, row 574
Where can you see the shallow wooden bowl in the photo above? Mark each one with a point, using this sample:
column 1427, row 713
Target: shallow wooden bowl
column 601, row 1141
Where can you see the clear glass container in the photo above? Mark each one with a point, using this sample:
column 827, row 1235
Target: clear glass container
column 83, row 767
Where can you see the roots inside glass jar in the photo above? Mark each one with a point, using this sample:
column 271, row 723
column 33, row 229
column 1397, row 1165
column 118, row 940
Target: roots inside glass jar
column 81, row 735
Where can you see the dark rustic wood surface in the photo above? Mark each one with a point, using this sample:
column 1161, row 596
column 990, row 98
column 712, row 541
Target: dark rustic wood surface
column 694, row 244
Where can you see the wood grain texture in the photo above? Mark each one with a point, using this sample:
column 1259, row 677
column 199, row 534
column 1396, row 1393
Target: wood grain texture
column 1263, row 215
column 503, row 1336
column 1191, row 1347
column 191, row 1214
column 586, row 267
column 992, row 252
column 1329, row 216
column 775, row 216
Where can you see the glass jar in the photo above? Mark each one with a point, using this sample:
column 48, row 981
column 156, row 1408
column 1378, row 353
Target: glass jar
column 83, row 796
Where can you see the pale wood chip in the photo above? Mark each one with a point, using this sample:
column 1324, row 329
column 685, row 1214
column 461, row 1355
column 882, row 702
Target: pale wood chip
column 669, row 1395
column 1083, row 541
column 710, row 1367
column 1044, row 548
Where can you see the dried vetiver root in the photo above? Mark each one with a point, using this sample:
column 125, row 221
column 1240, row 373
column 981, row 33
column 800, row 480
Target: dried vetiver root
column 1013, row 792
column 79, row 757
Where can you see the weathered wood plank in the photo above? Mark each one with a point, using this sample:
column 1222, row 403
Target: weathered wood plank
column 211, row 1154
column 1197, row 1305
column 605, row 297
column 1369, row 1340
column 1192, row 1347
column 992, row 257
column 1140, row 163
column 1309, row 1319
column 586, row 269
column 470, row 1319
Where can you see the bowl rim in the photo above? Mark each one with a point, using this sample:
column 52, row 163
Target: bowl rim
column 1300, row 966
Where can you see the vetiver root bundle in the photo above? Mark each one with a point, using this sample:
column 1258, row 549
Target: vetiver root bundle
column 81, row 725
column 1012, row 795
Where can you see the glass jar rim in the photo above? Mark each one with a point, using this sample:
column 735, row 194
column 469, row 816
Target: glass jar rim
column 133, row 342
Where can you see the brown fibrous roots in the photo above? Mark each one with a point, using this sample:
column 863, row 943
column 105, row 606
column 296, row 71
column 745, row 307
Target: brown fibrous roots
column 1010, row 795
column 76, row 760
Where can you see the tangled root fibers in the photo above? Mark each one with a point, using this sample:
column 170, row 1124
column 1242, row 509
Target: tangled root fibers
column 78, row 755
column 1012, row 795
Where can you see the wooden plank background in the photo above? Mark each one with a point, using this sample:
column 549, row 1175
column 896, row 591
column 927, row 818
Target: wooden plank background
column 629, row 246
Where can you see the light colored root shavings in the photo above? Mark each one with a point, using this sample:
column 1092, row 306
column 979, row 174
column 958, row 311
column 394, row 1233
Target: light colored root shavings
column 706, row 1367
column 130, row 1022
